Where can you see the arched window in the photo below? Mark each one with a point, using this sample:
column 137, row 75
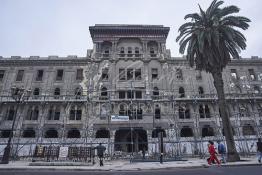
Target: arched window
column 139, row 114
column 36, row 92
column 207, row 131
column 122, row 52
column 256, row 89
column 105, row 47
column 51, row 133
column 102, row 133
column 155, row 132
column 73, row 133
column 181, row 112
column 29, row 133
column 207, row 111
column 204, row 111
column 78, row 93
column 186, row 132
column 152, row 52
column 33, row 112
column 57, row 93
column 157, row 112
column 75, row 113
column 107, row 50
column 238, row 88
column 57, row 113
column 248, row 130
column 50, row 113
column 136, row 50
column 5, row 133
column 155, row 91
column 53, row 113
column 129, row 51
column 104, row 91
column 10, row 113
column 200, row 90
column 201, row 111
column 187, row 112
column 184, row 112
column 181, row 92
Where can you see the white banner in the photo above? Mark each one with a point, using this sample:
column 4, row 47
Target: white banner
column 120, row 118
column 63, row 151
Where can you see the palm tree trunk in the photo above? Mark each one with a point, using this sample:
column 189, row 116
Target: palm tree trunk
column 232, row 154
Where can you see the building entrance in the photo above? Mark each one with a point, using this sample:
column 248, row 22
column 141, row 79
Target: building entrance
column 131, row 140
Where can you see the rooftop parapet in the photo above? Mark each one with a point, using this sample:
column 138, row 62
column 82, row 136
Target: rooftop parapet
column 254, row 57
column 124, row 30
column 16, row 57
column 53, row 57
column 34, row 57
column 72, row 56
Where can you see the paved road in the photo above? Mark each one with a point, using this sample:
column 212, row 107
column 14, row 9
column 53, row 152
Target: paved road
column 245, row 170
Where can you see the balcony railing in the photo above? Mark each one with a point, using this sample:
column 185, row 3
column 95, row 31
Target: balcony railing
column 168, row 97
column 130, row 55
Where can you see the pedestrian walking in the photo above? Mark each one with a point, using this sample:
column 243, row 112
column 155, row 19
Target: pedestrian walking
column 222, row 151
column 144, row 152
column 259, row 149
column 100, row 153
column 212, row 152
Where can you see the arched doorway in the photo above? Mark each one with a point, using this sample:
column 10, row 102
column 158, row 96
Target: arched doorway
column 131, row 140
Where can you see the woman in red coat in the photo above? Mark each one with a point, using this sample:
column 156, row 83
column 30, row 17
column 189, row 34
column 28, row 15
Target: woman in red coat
column 212, row 152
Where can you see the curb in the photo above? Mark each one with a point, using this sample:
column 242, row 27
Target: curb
column 48, row 168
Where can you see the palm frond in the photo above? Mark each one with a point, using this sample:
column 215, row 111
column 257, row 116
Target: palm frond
column 211, row 37
column 193, row 16
column 228, row 10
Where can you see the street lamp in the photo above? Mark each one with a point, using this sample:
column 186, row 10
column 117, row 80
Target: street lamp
column 19, row 95
column 161, row 147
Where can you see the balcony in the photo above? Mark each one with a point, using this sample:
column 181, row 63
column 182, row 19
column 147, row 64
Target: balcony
column 103, row 55
column 129, row 55
column 103, row 98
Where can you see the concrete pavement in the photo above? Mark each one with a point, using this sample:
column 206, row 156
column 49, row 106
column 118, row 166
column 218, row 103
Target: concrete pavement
column 122, row 165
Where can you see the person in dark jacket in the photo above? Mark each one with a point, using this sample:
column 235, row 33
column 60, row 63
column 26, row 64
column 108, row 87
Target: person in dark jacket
column 100, row 153
column 144, row 152
column 259, row 149
column 222, row 151
column 212, row 152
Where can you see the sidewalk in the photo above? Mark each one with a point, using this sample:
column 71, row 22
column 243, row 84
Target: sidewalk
column 122, row 165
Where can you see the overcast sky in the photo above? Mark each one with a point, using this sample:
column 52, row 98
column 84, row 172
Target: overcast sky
column 60, row 27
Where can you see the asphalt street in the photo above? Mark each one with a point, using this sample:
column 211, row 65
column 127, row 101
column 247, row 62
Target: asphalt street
column 245, row 170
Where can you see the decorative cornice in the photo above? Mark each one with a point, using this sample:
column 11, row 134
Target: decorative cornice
column 44, row 61
column 128, row 30
column 59, row 61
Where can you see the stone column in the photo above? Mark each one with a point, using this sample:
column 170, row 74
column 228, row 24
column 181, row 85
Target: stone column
column 146, row 76
column 145, row 50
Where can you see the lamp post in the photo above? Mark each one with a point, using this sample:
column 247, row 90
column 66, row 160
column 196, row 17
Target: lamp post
column 19, row 95
column 161, row 146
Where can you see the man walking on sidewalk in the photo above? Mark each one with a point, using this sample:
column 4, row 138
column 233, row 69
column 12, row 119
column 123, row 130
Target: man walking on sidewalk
column 222, row 151
column 100, row 153
column 259, row 149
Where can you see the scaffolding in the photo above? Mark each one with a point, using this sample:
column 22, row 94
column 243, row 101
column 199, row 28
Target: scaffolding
column 246, row 109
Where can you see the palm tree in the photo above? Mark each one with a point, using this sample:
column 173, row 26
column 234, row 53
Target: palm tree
column 211, row 39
